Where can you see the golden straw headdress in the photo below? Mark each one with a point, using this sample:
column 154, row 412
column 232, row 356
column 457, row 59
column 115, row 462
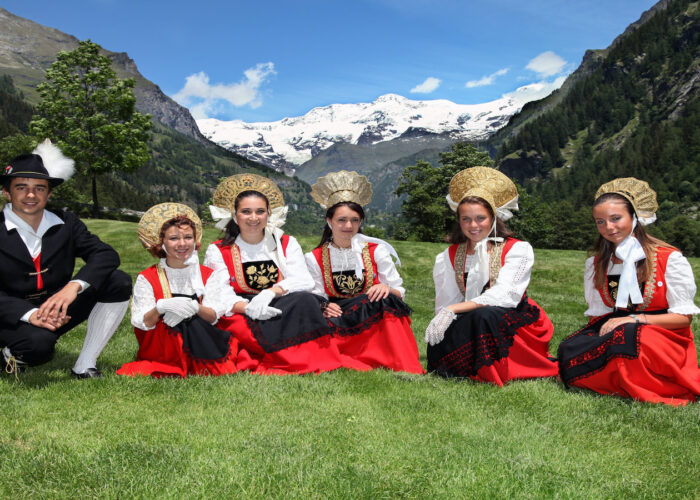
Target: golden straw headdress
column 152, row 221
column 341, row 186
column 638, row 193
column 229, row 188
column 487, row 183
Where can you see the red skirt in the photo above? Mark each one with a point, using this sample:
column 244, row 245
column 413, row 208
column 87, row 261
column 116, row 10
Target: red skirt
column 496, row 345
column 377, row 334
column 642, row 362
column 163, row 352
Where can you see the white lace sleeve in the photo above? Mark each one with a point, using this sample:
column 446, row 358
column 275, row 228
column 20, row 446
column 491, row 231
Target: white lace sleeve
column 513, row 278
column 298, row 278
column 218, row 293
column 596, row 306
column 386, row 269
column 446, row 289
column 680, row 285
column 142, row 302
column 214, row 260
column 316, row 275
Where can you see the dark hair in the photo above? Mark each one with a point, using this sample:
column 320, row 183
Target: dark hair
column 457, row 236
column 604, row 250
column 327, row 233
column 231, row 231
column 179, row 221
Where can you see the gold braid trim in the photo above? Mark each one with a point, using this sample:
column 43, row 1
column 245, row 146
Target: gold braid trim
column 165, row 286
column 328, row 274
column 494, row 264
column 460, row 259
column 649, row 287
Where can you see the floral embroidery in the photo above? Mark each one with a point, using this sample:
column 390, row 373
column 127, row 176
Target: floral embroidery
column 258, row 275
column 348, row 286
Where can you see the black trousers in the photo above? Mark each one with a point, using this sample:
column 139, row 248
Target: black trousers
column 35, row 345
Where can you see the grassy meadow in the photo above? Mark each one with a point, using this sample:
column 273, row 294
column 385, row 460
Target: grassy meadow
column 341, row 434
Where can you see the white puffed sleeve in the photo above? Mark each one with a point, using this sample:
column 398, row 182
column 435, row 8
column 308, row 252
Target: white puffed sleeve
column 513, row 278
column 680, row 285
column 316, row 275
column 446, row 289
column 298, row 278
column 386, row 269
column 143, row 301
column 218, row 293
column 596, row 306
column 214, row 260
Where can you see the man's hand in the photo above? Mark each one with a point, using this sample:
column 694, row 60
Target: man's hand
column 50, row 323
column 55, row 308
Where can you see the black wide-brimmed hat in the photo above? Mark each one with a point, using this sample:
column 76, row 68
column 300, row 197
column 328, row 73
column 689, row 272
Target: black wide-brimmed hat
column 45, row 162
column 31, row 166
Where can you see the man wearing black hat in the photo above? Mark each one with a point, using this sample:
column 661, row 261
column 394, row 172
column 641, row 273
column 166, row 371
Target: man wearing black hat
column 39, row 298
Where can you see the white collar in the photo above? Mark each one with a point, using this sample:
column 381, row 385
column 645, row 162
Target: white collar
column 14, row 221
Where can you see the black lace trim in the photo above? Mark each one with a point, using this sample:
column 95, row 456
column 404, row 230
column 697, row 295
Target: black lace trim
column 479, row 338
column 359, row 314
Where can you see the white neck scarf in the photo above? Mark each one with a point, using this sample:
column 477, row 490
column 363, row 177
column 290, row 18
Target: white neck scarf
column 630, row 251
column 358, row 242
column 478, row 272
column 195, row 273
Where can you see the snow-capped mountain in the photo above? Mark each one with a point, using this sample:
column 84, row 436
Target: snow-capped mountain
column 290, row 142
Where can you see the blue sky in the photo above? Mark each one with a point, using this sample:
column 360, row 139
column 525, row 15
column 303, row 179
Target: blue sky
column 265, row 60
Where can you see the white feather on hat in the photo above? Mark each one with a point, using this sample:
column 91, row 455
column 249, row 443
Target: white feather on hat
column 56, row 164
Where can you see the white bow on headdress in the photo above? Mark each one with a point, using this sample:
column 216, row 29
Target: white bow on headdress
column 358, row 242
column 630, row 251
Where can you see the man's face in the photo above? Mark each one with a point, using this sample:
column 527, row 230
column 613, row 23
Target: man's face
column 28, row 196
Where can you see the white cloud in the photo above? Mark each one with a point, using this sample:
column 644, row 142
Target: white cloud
column 546, row 64
column 203, row 98
column 487, row 80
column 535, row 91
column 429, row 85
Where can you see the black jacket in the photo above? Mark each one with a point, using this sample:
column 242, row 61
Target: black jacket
column 60, row 247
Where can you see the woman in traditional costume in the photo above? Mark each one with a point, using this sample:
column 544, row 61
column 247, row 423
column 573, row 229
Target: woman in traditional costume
column 358, row 278
column 638, row 343
column 177, row 302
column 486, row 327
column 278, row 323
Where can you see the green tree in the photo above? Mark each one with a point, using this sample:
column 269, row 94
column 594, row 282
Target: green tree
column 90, row 114
column 425, row 211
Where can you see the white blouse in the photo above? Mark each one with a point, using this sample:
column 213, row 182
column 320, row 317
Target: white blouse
column 343, row 259
column 512, row 282
column 218, row 293
column 298, row 278
column 680, row 286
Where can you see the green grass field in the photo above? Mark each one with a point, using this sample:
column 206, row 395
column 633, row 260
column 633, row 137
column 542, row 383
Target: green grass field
column 342, row 434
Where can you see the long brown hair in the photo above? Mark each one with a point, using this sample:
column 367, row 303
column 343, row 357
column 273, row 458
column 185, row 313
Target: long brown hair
column 457, row 236
column 603, row 250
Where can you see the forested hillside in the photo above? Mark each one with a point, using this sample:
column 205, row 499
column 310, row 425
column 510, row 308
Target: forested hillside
column 636, row 114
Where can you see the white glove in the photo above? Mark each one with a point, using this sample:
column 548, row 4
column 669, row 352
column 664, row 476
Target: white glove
column 438, row 325
column 259, row 303
column 183, row 307
column 267, row 313
column 172, row 319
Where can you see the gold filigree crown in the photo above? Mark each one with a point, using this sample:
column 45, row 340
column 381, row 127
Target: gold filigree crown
column 341, row 186
column 639, row 194
column 229, row 188
column 152, row 221
column 485, row 182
